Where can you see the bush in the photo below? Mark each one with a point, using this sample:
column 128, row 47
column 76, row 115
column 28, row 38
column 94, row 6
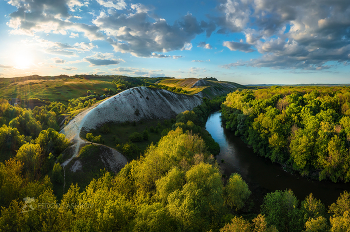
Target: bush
column 136, row 137
column 130, row 149
column 95, row 139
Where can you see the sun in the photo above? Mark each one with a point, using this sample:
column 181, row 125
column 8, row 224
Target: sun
column 23, row 60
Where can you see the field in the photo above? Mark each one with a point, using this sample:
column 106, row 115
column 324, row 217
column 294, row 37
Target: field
column 60, row 88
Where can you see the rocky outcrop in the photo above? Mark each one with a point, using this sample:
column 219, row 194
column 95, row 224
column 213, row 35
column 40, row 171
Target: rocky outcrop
column 139, row 103
column 130, row 105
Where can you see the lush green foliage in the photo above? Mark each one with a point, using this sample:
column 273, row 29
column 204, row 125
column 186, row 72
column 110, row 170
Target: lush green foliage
column 175, row 185
column 236, row 192
column 95, row 139
column 57, row 173
column 307, row 128
column 136, row 137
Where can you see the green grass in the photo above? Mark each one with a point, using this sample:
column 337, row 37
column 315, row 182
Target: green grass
column 184, row 84
column 119, row 133
column 53, row 88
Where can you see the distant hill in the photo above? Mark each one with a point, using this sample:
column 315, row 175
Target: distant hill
column 41, row 89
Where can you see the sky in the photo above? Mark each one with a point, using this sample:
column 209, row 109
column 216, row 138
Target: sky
column 244, row 41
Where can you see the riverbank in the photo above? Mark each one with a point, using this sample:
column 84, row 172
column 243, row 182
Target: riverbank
column 260, row 173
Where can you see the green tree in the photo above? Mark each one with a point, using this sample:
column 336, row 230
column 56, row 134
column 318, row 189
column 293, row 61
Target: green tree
column 32, row 158
column 57, row 173
column 281, row 210
column 316, row 224
column 174, row 180
column 11, row 181
column 312, row 208
column 153, row 217
column 199, row 204
column 342, row 204
column 340, row 223
column 238, row 224
column 236, row 192
column 51, row 141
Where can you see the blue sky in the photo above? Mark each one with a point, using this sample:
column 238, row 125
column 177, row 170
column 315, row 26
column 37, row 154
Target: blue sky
column 245, row 41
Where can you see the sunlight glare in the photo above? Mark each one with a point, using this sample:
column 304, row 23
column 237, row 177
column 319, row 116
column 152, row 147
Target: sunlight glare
column 23, row 60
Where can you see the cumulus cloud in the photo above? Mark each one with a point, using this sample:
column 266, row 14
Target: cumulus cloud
column 64, row 49
column 33, row 16
column 135, row 33
column 116, row 4
column 204, row 45
column 156, row 55
column 102, row 59
column 290, row 34
column 136, row 30
column 74, row 35
column 58, row 60
column 138, row 72
column 238, row 46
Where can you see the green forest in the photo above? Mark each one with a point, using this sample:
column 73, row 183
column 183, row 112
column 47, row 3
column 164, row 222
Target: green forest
column 175, row 183
column 306, row 129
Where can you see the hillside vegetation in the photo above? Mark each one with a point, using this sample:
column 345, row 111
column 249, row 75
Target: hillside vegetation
column 175, row 184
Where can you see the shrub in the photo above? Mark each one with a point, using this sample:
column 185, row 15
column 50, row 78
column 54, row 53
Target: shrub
column 95, row 139
column 130, row 149
column 136, row 137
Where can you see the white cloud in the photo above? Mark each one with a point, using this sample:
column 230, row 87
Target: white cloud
column 290, row 34
column 135, row 33
column 138, row 72
column 102, row 59
column 156, row 55
column 74, row 35
column 238, row 46
column 116, row 4
column 204, row 45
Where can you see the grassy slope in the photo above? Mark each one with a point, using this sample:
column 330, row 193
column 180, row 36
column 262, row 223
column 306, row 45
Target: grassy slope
column 120, row 132
column 187, row 83
column 63, row 88
column 53, row 88
column 184, row 84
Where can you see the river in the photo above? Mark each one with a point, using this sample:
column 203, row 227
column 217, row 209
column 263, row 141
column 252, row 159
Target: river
column 260, row 173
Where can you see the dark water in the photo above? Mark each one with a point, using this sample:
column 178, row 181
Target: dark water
column 261, row 172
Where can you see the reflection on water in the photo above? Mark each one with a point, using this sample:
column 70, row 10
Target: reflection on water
column 238, row 157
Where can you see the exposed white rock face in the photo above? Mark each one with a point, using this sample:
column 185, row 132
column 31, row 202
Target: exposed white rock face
column 139, row 103
column 130, row 105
